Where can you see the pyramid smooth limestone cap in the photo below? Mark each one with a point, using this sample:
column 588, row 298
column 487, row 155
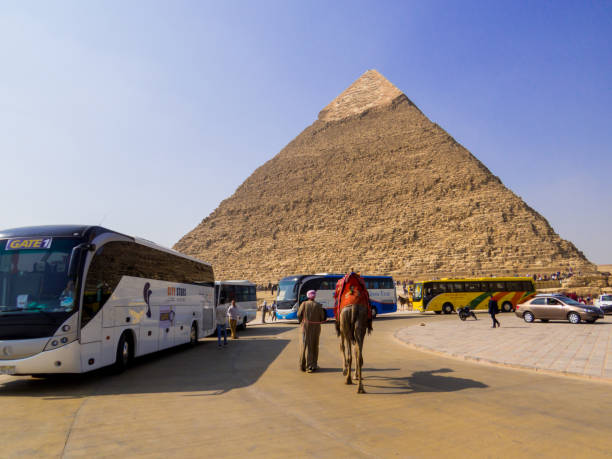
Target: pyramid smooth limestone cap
column 369, row 90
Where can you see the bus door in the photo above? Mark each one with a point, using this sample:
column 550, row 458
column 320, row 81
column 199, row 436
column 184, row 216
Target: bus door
column 209, row 302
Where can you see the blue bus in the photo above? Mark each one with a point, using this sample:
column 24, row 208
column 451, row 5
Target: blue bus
column 292, row 291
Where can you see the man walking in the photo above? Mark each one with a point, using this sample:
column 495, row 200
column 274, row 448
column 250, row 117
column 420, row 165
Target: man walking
column 494, row 309
column 221, row 316
column 310, row 314
column 233, row 313
column 264, row 311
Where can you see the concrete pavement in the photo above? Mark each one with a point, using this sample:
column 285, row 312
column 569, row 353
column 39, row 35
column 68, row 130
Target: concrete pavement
column 250, row 400
column 579, row 350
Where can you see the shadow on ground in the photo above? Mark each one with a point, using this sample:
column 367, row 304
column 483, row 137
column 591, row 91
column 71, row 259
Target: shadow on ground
column 258, row 330
column 203, row 368
column 420, row 381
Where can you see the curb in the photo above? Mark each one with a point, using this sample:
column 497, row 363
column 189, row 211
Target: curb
column 495, row 363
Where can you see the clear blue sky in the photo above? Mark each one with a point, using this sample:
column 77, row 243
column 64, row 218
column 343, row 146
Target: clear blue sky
column 145, row 115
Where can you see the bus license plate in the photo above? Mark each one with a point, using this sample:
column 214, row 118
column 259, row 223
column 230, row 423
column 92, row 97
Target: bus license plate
column 7, row 370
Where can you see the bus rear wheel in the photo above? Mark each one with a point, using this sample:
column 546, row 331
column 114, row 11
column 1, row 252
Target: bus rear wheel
column 243, row 324
column 447, row 308
column 507, row 307
column 193, row 334
column 374, row 313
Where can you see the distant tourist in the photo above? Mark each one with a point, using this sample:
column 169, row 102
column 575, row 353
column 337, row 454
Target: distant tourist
column 221, row 318
column 264, row 310
column 493, row 310
column 273, row 311
column 233, row 314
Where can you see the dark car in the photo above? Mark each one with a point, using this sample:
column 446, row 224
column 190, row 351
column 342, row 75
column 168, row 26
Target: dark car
column 557, row 307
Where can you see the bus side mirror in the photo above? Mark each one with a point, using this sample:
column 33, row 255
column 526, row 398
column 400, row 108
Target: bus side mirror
column 77, row 257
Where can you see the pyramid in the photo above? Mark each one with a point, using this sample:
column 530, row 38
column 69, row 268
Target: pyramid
column 373, row 185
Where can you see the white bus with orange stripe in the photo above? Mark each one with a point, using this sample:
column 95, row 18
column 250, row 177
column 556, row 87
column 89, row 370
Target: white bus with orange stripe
column 447, row 295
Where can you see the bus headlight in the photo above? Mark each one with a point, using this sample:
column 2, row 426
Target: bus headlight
column 59, row 341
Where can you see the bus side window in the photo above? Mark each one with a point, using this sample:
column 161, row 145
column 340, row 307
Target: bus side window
column 328, row 284
column 458, row 287
column 312, row 284
column 102, row 278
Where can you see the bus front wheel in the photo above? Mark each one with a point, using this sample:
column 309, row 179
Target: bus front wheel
column 124, row 353
column 507, row 307
column 243, row 324
column 447, row 308
column 374, row 313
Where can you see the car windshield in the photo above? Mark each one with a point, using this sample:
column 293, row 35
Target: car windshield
column 287, row 290
column 569, row 301
column 34, row 275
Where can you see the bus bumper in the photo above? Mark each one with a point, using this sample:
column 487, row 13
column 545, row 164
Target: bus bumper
column 66, row 359
column 290, row 315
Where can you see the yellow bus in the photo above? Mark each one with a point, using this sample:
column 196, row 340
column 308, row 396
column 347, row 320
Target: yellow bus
column 446, row 295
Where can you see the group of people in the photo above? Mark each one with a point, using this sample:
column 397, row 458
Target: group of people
column 225, row 313
column 553, row 276
column 271, row 287
column 580, row 299
column 265, row 309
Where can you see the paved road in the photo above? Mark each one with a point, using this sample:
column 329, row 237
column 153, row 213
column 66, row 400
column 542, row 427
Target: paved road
column 577, row 349
column 250, row 399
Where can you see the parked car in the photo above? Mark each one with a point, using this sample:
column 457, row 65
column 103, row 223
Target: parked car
column 557, row 307
column 605, row 303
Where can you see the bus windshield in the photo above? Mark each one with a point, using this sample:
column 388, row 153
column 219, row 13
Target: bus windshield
column 418, row 291
column 35, row 280
column 287, row 290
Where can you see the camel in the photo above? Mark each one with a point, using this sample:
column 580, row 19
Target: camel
column 404, row 302
column 353, row 319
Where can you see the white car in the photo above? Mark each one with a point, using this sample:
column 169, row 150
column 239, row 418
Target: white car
column 605, row 303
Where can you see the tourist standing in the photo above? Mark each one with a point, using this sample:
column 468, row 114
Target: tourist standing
column 221, row 319
column 310, row 314
column 273, row 311
column 232, row 313
column 493, row 310
column 264, row 310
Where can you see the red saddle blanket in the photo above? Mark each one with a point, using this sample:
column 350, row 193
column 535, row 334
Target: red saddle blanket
column 351, row 289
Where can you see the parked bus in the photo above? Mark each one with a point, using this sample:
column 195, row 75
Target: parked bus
column 292, row 291
column 245, row 294
column 77, row 298
column 446, row 295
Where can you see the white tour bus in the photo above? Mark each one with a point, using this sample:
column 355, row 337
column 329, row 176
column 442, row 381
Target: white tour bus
column 245, row 294
column 77, row 298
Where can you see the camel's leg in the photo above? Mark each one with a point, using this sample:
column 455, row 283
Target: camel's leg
column 345, row 323
column 349, row 363
column 359, row 362
column 343, row 351
column 360, row 332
